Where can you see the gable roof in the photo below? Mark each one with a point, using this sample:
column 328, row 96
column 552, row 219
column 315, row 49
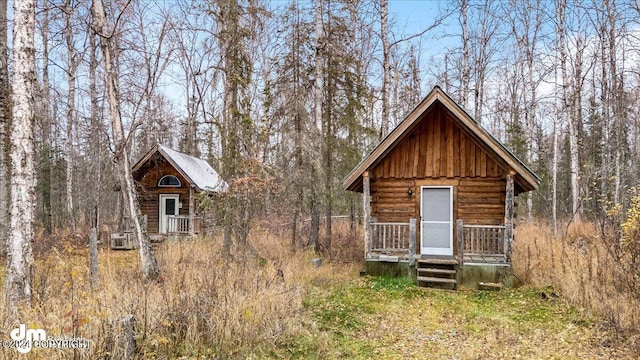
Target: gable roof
column 197, row 171
column 525, row 177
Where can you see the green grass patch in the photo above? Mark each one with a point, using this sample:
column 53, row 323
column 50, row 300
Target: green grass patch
column 391, row 283
column 391, row 318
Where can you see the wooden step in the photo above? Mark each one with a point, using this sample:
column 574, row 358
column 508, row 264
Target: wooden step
column 438, row 261
column 437, row 271
column 436, row 280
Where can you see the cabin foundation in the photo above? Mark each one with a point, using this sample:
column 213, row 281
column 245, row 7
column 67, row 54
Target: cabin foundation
column 398, row 269
column 472, row 275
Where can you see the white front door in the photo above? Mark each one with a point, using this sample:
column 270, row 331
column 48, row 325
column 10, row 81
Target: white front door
column 436, row 220
column 168, row 206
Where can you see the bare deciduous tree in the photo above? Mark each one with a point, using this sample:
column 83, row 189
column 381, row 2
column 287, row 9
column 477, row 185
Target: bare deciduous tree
column 5, row 121
column 22, row 203
column 150, row 267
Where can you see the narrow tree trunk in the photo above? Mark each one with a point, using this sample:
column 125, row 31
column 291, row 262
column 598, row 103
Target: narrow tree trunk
column 328, row 146
column 573, row 136
column 447, row 85
column 465, row 56
column 22, row 206
column 96, row 124
column 386, row 68
column 5, row 123
column 317, row 117
column 298, row 138
column 532, row 120
column 318, row 71
column 615, row 100
column 554, row 161
column 71, row 99
column 93, row 255
column 46, row 120
column 314, row 232
column 605, row 114
column 148, row 260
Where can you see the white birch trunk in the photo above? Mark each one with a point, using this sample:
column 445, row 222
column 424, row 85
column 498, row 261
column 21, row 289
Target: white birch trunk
column 318, row 35
column 532, row 120
column 150, row 268
column 573, row 136
column 386, row 82
column 317, row 118
column 22, row 203
column 465, row 56
column 5, row 118
column 554, row 160
column 71, row 99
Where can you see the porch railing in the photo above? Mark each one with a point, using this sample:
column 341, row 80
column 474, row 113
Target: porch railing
column 394, row 237
column 179, row 224
column 484, row 242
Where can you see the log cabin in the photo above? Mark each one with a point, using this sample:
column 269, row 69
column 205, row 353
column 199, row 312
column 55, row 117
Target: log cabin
column 167, row 182
column 438, row 196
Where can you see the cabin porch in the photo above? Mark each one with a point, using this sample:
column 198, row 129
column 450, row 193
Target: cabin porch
column 178, row 226
column 482, row 255
column 486, row 244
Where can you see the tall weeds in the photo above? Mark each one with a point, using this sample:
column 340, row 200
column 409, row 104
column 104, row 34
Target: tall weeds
column 203, row 305
column 586, row 266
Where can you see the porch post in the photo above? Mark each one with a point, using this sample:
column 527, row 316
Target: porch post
column 366, row 199
column 192, row 207
column 412, row 241
column 459, row 236
column 508, row 214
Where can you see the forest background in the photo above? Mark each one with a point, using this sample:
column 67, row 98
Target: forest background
column 285, row 98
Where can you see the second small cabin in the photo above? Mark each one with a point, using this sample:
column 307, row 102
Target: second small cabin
column 167, row 182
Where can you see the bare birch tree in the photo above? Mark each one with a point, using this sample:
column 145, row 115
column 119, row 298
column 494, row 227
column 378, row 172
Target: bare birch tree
column 561, row 7
column 386, row 67
column 150, row 268
column 22, row 191
column 5, row 121
column 45, row 181
column 464, row 78
column 73, row 60
column 317, row 115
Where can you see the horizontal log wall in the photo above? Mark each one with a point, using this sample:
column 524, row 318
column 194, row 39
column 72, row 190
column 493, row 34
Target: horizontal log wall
column 390, row 201
column 481, row 201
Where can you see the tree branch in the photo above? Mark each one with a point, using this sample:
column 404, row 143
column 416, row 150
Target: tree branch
column 435, row 24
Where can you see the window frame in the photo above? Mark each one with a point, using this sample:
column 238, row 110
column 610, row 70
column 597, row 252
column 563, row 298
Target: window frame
column 169, row 186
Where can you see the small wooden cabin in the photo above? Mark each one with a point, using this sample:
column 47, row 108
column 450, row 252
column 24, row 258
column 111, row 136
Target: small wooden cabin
column 438, row 196
column 167, row 182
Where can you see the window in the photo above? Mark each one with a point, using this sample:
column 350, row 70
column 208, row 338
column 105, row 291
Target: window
column 169, row 181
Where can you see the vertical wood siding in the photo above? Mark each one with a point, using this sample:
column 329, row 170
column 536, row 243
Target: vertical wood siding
column 438, row 152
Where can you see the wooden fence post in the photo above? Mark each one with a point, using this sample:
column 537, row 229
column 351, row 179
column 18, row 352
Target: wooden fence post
column 121, row 342
column 93, row 256
column 412, row 241
column 366, row 199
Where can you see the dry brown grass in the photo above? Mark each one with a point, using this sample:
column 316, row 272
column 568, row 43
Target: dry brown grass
column 582, row 266
column 205, row 306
